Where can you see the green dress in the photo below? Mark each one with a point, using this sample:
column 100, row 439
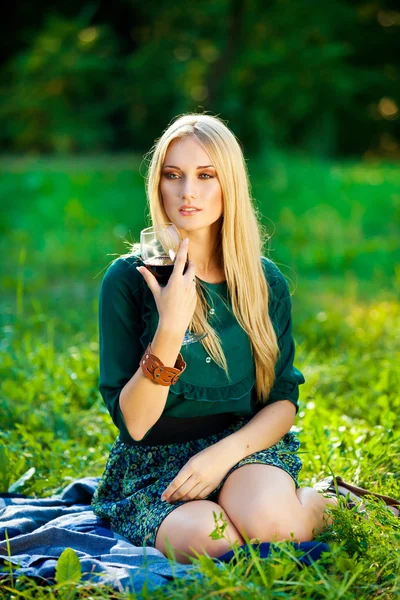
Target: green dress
column 129, row 490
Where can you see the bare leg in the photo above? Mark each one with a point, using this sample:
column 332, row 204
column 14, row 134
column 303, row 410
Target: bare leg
column 188, row 528
column 314, row 505
column 314, row 501
column 262, row 502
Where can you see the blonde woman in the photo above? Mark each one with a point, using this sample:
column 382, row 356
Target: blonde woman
column 218, row 439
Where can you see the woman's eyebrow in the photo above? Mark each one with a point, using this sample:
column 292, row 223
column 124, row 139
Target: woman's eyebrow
column 174, row 167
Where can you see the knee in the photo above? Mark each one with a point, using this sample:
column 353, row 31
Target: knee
column 189, row 531
column 286, row 529
column 275, row 526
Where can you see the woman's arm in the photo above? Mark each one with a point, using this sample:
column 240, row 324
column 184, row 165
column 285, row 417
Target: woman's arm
column 134, row 401
column 264, row 430
column 275, row 419
column 141, row 400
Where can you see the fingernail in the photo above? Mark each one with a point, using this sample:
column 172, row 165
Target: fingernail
column 186, row 240
column 138, row 268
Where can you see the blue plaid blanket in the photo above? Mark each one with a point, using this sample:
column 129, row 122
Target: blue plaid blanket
column 40, row 529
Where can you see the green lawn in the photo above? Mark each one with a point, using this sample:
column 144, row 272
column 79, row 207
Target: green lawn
column 336, row 237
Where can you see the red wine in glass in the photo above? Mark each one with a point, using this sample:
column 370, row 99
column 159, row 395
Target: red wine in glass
column 161, row 267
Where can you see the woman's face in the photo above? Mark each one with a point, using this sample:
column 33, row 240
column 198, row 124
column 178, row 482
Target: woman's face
column 183, row 183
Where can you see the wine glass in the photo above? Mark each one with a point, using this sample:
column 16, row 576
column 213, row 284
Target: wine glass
column 159, row 246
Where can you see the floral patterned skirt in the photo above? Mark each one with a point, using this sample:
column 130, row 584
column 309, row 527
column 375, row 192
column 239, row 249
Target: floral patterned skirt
column 129, row 491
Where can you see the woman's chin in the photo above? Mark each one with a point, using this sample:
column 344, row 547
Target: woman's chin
column 187, row 226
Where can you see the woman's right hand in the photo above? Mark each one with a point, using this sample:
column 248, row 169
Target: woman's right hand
column 176, row 302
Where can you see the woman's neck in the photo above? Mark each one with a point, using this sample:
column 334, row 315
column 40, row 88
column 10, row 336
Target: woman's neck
column 205, row 252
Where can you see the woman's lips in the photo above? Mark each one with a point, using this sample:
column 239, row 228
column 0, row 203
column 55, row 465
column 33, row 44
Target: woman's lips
column 189, row 213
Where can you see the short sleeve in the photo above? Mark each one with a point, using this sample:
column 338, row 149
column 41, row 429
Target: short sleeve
column 287, row 377
column 120, row 328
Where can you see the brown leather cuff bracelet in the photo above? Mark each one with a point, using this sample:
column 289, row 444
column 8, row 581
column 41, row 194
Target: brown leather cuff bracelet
column 155, row 370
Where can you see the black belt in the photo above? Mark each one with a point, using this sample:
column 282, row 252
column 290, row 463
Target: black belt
column 174, row 430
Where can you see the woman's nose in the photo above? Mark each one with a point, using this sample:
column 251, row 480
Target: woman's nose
column 188, row 190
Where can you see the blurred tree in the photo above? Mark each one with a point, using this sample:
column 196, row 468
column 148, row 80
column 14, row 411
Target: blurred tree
column 320, row 77
column 59, row 94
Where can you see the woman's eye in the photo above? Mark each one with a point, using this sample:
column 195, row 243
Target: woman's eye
column 167, row 175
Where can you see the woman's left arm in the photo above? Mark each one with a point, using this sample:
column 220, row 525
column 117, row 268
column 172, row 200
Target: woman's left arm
column 205, row 470
column 277, row 417
column 263, row 430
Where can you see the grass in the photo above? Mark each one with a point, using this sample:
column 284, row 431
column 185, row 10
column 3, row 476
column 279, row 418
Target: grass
column 336, row 230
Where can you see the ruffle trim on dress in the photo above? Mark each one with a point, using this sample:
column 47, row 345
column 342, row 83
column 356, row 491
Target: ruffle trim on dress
column 222, row 393
column 287, row 388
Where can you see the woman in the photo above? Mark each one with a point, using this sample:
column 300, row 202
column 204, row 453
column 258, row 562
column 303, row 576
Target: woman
column 218, row 439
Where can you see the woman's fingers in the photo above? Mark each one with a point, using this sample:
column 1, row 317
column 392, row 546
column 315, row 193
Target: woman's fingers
column 180, row 259
column 176, row 302
column 150, row 280
column 204, row 492
column 193, row 493
column 190, row 271
column 187, row 491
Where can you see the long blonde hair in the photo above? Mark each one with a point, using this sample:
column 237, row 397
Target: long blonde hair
column 240, row 243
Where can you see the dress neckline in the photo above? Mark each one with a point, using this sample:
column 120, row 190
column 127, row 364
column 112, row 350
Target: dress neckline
column 220, row 283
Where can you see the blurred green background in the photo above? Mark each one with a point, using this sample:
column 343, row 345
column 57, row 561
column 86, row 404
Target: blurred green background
column 94, row 76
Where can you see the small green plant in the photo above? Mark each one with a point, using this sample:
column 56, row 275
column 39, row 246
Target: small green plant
column 68, row 574
column 220, row 525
